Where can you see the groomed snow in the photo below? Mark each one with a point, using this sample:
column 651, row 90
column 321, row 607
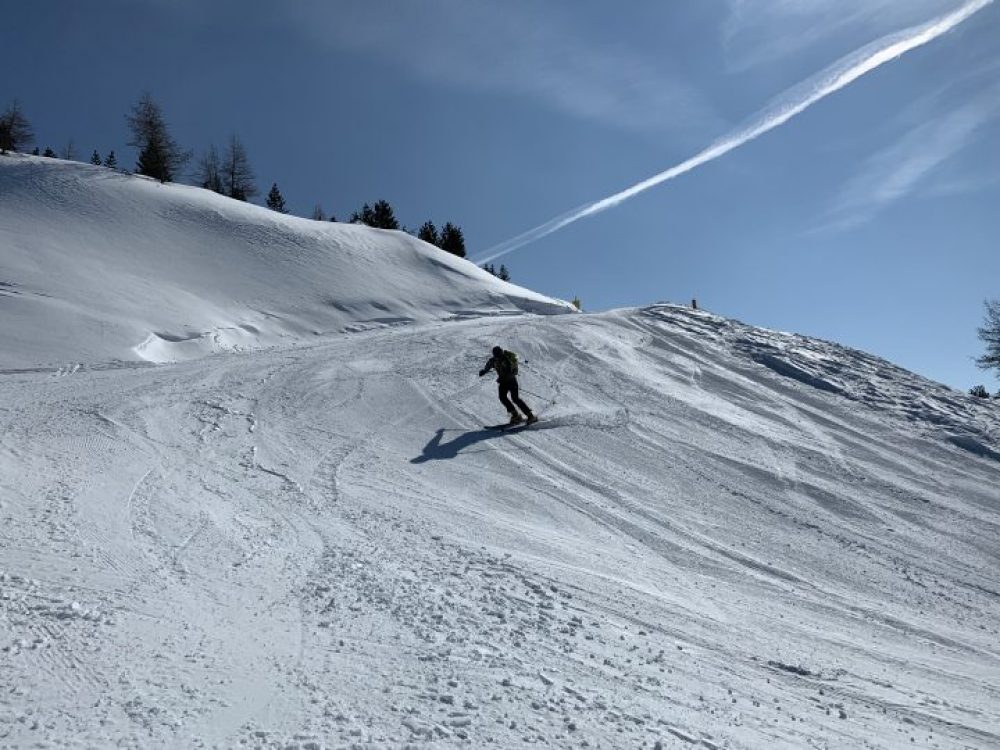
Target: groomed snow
column 718, row 536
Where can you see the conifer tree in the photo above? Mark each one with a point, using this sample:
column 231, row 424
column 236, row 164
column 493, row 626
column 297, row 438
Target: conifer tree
column 452, row 240
column 503, row 274
column 237, row 176
column 979, row 391
column 275, row 201
column 429, row 233
column 49, row 152
column 159, row 155
column 111, row 161
column 380, row 216
column 383, row 216
column 15, row 130
column 364, row 216
column 95, row 158
column 34, row 151
column 989, row 334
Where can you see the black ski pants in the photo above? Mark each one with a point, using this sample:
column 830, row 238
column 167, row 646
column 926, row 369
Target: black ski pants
column 508, row 393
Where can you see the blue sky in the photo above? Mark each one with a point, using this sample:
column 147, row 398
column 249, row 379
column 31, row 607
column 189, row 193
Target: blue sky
column 870, row 218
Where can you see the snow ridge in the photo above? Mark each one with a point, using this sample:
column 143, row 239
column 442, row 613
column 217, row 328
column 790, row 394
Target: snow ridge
column 101, row 266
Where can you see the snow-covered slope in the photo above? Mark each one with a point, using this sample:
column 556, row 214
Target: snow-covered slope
column 717, row 536
column 96, row 265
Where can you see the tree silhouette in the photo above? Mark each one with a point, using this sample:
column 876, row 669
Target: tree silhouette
column 989, row 333
column 429, row 233
column 159, row 155
column 209, row 174
column 15, row 130
column 452, row 240
column 383, row 216
column 237, row 176
column 275, row 201
column 380, row 216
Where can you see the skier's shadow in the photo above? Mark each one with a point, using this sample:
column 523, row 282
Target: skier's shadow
column 435, row 450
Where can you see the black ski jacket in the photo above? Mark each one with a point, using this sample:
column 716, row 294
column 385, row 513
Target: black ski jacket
column 505, row 366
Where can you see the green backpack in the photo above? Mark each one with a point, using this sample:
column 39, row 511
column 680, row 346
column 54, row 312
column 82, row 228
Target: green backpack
column 508, row 366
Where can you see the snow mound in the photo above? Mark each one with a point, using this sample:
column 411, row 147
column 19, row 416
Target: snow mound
column 96, row 265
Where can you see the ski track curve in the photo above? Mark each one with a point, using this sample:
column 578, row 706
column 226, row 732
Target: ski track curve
column 716, row 536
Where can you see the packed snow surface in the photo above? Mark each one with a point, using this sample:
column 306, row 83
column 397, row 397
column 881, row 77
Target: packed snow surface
column 717, row 536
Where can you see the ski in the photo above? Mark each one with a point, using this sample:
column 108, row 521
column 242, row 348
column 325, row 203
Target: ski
column 508, row 426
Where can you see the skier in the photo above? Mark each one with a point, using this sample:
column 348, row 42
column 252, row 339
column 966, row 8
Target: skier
column 505, row 364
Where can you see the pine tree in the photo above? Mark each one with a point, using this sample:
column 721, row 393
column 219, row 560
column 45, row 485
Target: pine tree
column 989, row 333
column 159, row 155
column 209, row 174
column 979, row 391
column 35, row 151
column 503, row 274
column 380, row 216
column 49, row 152
column 237, row 176
column 452, row 240
column 95, row 158
column 275, row 201
column 383, row 216
column 15, row 130
column 490, row 268
column 154, row 162
column 111, row 161
column 429, row 233
column 364, row 216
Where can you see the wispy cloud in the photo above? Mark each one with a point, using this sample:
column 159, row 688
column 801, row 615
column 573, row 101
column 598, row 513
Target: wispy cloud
column 904, row 167
column 792, row 103
column 537, row 50
column 767, row 31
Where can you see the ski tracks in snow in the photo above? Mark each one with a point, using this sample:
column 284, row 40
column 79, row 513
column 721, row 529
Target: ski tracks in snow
column 694, row 546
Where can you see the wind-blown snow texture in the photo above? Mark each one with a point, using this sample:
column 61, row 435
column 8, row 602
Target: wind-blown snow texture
column 102, row 266
column 718, row 536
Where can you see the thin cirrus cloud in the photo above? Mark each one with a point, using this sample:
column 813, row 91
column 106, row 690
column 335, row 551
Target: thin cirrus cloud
column 906, row 167
column 759, row 32
column 513, row 48
column 788, row 106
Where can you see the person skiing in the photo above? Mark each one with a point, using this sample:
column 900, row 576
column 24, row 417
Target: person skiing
column 505, row 365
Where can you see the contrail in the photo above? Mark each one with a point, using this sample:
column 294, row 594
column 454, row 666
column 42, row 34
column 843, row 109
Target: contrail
column 792, row 102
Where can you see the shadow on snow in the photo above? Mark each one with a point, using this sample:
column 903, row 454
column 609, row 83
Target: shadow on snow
column 435, row 450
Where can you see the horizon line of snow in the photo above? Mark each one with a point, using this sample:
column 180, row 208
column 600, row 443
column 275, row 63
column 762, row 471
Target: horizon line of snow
column 791, row 103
